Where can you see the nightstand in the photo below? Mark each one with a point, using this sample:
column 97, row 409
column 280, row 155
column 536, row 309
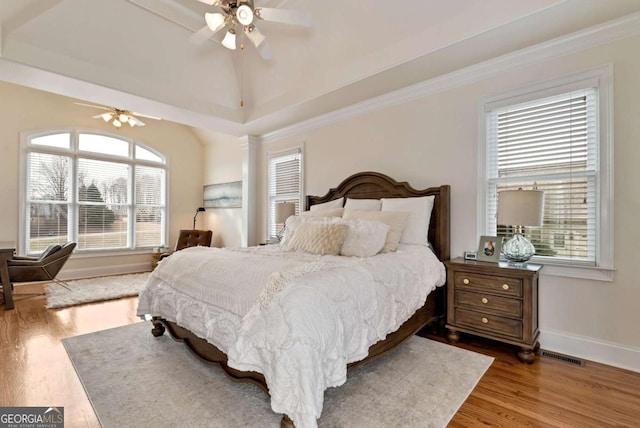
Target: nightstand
column 496, row 301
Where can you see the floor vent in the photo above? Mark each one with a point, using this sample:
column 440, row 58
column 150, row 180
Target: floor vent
column 561, row 357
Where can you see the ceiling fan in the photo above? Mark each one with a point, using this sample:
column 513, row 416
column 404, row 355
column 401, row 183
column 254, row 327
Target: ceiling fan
column 240, row 17
column 119, row 117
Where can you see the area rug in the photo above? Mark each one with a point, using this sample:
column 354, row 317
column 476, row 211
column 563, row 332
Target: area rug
column 94, row 289
column 135, row 379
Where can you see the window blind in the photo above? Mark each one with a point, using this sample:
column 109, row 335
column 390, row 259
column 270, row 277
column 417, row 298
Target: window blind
column 549, row 144
column 285, row 185
column 103, row 192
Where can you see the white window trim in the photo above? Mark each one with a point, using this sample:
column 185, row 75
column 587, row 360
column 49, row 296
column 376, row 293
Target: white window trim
column 293, row 149
column 604, row 269
column 22, row 201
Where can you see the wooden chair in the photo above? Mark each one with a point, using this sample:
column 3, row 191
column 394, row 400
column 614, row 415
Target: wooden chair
column 191, row 238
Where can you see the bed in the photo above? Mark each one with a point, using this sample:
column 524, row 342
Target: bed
column 230, row 330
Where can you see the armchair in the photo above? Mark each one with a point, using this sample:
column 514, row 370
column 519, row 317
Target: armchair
column 191, row 238
column 42, row 268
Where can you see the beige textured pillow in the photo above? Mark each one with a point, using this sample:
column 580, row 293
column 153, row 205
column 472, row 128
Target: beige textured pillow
column 319, row 238
column 396, row 220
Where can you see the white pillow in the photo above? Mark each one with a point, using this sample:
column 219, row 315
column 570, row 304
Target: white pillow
column 336, row 203
column 365, row 238
column 395, row 220
column 325, row 212
column 419, row 209
column 293, row 222
column 319, row 238
column 363, row 205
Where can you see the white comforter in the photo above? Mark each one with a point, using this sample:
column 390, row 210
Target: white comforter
column 298, row 319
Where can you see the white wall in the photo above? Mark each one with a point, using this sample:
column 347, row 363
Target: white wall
column 223, row 163
column 23, row 109
column 434, row 140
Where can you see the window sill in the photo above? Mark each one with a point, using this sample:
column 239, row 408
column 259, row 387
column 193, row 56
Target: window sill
column 88, row 254
column 595, row 273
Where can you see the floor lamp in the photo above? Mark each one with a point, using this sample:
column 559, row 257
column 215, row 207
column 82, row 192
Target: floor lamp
column 199, row 210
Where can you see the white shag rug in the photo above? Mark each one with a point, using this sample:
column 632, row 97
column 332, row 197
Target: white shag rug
column 94, row 289
column 135, row 379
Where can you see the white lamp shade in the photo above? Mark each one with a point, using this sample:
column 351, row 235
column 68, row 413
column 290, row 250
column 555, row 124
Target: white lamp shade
column 520, row 207
column 215, row 21
column 284, row 210
column 229, row 40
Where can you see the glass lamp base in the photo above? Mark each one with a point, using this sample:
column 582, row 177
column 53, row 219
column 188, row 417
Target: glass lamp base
column 518, row 249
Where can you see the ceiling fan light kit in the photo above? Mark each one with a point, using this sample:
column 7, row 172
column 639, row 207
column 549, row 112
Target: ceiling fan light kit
column 229, row 40
column 240, row 16
column 118, row 117
column 215, row 21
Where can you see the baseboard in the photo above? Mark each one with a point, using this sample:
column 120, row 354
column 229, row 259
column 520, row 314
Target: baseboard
column 91, row 272
column 590, row 349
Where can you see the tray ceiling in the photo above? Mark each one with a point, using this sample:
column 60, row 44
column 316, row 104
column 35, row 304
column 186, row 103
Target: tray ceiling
column 136, row 54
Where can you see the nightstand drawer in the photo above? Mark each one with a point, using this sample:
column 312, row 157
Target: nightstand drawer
column 491, row 323
column 489, row 303
column 492, row 284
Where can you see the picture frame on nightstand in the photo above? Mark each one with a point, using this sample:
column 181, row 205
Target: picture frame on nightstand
column 489, row 249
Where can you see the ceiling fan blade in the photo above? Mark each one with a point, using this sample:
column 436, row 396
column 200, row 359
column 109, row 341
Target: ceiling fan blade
column 258, row 40
column 285, row 16
column 254, row 35
column 134, row 121
column 201, row 36
column 145, row 115
column 92, row 105
column 209, row 2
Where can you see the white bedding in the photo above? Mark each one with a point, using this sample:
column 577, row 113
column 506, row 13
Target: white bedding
column 297, row 318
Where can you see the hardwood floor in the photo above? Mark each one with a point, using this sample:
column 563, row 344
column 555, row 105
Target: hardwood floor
column 36, row 371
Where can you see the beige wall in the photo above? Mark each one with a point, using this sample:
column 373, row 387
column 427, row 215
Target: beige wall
column 23, row 109
column 223, row 163
column 434, row 141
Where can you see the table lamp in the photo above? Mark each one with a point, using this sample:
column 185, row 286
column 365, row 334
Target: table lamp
column 519, row 208
column 284, row 210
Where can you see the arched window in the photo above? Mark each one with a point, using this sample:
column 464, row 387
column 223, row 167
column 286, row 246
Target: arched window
column 102, row 191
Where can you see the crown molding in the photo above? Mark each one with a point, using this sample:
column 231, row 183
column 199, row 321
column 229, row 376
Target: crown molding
column 598, row 35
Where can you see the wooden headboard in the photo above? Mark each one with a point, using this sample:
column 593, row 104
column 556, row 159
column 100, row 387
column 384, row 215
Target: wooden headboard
column 373, row 185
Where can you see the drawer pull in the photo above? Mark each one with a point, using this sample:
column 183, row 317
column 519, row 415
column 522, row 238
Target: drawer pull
column 505, row 286
column 485, row 300
column 485, row 321
column 465, row 281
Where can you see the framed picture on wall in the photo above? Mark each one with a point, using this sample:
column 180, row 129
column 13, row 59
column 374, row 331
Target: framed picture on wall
column 223, row 195
column 489, row 249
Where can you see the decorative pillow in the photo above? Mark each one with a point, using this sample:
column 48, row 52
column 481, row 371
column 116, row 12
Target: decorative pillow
column 319, row 238
column 293, row 222
column 336, row 203
column 363, row 205
column 365, row 238
column 419, row 209
column 325, row 212
column 394, row 219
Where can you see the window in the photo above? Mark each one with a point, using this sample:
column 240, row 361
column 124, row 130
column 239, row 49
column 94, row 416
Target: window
column 284, row 184
column 554, row 138
column 103, row 192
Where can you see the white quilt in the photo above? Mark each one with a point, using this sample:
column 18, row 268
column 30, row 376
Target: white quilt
column 297, row 318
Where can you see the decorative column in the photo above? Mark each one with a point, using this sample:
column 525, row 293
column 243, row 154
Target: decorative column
column 249, row 146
